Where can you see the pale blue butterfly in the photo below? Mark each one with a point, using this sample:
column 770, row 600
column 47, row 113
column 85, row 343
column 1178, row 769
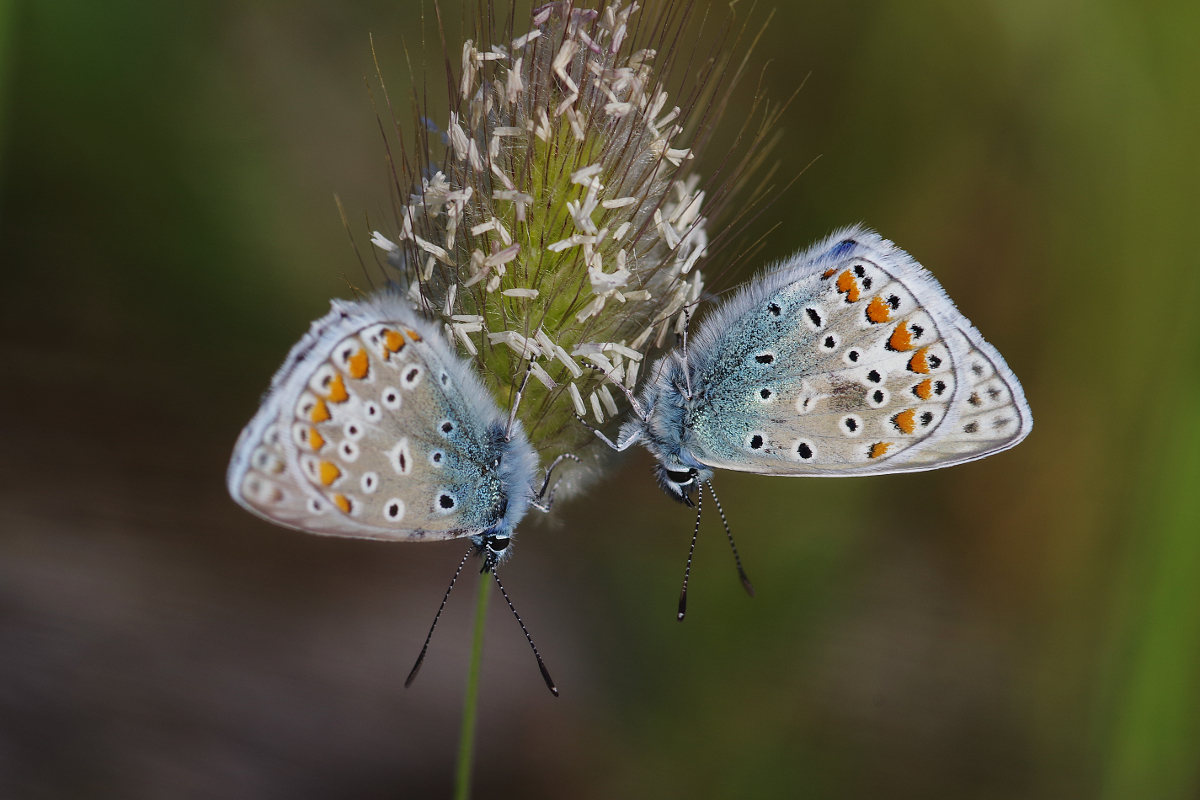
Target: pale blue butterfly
column 846, row 359
column 374, row 428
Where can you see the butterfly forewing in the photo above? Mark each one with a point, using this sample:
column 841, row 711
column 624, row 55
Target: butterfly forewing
column 851, row 359
column 373, row 428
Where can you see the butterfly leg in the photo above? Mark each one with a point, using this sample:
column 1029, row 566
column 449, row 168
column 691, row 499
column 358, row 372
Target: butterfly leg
column 549, row 504
column 512, row 414
column 687, row 373
column 633, row 401
column 619, row 447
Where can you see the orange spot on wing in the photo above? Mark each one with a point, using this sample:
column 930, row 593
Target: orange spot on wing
column 320, row 412
column 919, row 362
column 359, row 365
column 924, row 389
column 901, row 338
column 847, row 285
column 878, row 449
column 328, row 472
column 416, row 337
column 337, row 390
column 878, row 311
column 906, row 421
column 315, row 440
column 342, row 502
column 393, row 341
column 828, row 273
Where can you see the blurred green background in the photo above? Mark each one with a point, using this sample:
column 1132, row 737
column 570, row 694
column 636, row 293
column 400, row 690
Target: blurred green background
column 1023, row 627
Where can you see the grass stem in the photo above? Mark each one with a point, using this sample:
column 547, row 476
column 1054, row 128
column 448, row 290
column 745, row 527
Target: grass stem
column 466, row 744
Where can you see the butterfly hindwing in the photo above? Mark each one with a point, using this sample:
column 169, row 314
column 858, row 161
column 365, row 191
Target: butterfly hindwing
column 849, row 359
column 374, row 428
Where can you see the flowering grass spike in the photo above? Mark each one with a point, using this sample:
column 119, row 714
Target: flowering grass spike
column 561, row 232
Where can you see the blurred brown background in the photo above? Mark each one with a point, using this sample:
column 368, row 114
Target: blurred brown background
column 1023, row 627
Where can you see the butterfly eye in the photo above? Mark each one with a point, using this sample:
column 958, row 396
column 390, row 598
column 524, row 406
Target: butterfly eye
column 498, row 545
column 681, row 477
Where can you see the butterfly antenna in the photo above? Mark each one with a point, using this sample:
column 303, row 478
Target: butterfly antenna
column 728, row 533
column 421, row 658
column 687, row 571
column 512, row 414
column 541, row 665
column 546, row 483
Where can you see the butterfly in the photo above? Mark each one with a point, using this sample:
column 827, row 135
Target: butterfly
column 846, row 359
column 374, row 428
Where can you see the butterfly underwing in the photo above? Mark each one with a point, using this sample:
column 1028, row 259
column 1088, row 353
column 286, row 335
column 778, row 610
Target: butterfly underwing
column 846, row 359
column 374, row 428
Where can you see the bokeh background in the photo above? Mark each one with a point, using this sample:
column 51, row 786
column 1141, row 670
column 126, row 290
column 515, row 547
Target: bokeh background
column 1023, row 627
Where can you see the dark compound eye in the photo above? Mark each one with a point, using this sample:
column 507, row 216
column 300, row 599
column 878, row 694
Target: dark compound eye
column 498, row 545
column 679, row 477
